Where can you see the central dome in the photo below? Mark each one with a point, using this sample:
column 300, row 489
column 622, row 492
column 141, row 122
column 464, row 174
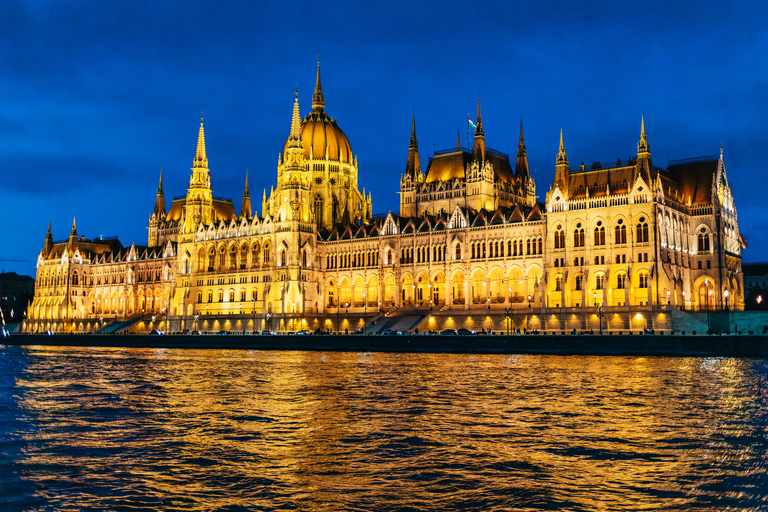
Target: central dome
column 318, row 132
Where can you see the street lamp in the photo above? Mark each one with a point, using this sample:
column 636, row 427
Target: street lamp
column 600, row 315
column 253, row 299
column 726, row 298
column 508, row 317
column 668, row 297
column 365, row 312
column 683, row 300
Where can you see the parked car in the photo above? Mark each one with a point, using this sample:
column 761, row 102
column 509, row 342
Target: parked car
column 448, row 332
column 464, row 332
column 390, row 332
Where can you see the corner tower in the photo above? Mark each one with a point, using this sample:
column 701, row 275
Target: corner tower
column 199, row 204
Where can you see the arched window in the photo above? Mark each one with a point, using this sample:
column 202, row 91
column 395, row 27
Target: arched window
column 211, row 259
column 621, row 232
column 643, row 280
column 703, row 240
column 599, row 281
column 541, row 244
column 221, row 296
column 242, row 295
column 255, row 254
column 304, row 259
column 210, row 296
column 199, row 297
column 642, row 231
column 232, row 257
column 267, row 253
column 620, row 280
column 458, row 251
column 559, row 283
column 319, row 211
column 599, row 234
column 559, row 238
column 254, row 294
column 473, row 250
column 243, row 255
column 231, row 295
column 578, row 236
column 579, row 279
column 222, row 258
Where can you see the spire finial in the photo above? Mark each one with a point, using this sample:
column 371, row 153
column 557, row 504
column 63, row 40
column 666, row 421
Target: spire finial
column 414, row 142
column 562, row 157
column 160, row 185
column 74, row 225
column 49, row 235
column 246, row 181
column 318, row 101
column 200, row 159
column 642, row 145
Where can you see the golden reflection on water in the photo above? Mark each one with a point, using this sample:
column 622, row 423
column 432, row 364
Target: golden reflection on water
column 270, row 430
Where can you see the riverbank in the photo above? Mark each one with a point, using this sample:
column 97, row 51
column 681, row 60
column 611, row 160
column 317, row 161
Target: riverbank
column 639, row 345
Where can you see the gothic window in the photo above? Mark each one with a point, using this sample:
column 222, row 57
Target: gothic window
column 703, row 241
column 620, row 280
column 599, row 234
column 458, row 251
column 643, row 280
column 541, row 244
column 509, row 247
column 579, row 279
column 528, row 246
column 210, row 296
column 559, row 238
column 621, row 232
column 473, row 251
column 211, row 259
column 232, row 257
column 578, row 236
column 599, row 282
column 255, row 254
column 319, row 210
column 242, row 295
column 199, row 297
column 254, row 295
column 304, row 259
column 221, row 296
column 642, row 231
column 559, row 283
column 74, row 279
column 267, row 253
column 222, row 258
column 231, row 295
column 243, row 255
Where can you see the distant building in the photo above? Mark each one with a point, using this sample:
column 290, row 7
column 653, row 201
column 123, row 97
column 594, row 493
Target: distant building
column 16, row 293
column 471, row 236
column 756, row 285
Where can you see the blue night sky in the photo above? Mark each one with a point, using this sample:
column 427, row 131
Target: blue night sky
column 96, row 96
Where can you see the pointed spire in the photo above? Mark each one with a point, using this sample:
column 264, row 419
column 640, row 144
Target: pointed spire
column 200, row 159
column 413, row 165
column 478, row 151
column 562, row 158
column 160, row 200
column 642, row 145
column 318, row 101
column 49, row 235
column 48, row 246
column 245, row 208
column 294, row 139
column 521, row 166
column 73, row 231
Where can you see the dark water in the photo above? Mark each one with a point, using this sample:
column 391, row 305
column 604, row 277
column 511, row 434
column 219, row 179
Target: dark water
column 142, row 429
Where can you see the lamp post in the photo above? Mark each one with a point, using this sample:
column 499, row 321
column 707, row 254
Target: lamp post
column 600, row 315
column 508, row 317
column 365, row 312
column 668, row 297
column 725, row 293
column 338, row 316
column 253, row 299
column 683, row 300
column 194, row 322
column 346, row 313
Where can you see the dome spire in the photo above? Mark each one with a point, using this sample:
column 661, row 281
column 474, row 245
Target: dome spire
column 318, row 101
column 521, row 166
column 413, row 165
column 200, row 159
column 413, row 143
column 245, row 208
column 562, row 158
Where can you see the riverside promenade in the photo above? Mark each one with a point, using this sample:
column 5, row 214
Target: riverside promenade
column 636, row 345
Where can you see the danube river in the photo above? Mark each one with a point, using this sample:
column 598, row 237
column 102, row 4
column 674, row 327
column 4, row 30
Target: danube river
column 147, row 429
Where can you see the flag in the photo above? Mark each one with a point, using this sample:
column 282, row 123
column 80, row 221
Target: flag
column 653, row 267
column 743, row 242
column 471, row 123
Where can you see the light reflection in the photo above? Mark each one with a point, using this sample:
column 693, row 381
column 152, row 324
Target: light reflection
column 217, row 429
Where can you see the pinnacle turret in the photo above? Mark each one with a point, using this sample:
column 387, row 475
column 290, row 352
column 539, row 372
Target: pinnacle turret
column 642, row 145
column 294, row 139
column 521, row 166
column 478, row 151
column 200, row 159
column 245, row 208
column 160, row 200
column 562, row 157
column 413, row 165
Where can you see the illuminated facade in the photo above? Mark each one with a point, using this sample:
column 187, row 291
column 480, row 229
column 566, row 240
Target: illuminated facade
column 471, row 236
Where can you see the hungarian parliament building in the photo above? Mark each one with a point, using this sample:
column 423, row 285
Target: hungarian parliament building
column 472, row 242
